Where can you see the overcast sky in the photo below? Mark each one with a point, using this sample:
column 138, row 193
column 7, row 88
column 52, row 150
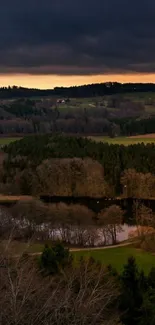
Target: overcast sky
column 90, row 38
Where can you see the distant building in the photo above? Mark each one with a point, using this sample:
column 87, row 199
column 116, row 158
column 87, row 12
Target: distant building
column 63, row 101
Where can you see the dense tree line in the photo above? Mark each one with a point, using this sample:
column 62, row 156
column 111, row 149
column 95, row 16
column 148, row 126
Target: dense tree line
column 77, row 91
column 70, row 166
column 108, row 88
column 110, row 115
column 134, row 126
column 45, row 115
column 74, row 224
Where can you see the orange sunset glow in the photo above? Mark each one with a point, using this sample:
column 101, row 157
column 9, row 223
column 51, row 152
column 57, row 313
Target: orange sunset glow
column 51, row 81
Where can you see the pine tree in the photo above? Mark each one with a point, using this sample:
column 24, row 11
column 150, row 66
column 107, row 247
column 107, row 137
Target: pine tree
column 55, row 258
column 132, row 287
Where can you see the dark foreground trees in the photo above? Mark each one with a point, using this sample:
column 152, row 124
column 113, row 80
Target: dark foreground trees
column 73, row 292
column 132, row 290
column 137, row 296
column 85, row 294
column 54, row 259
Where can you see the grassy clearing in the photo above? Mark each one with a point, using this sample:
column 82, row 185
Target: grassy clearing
column 6, row 140
column 118, row 256
column 123, row 140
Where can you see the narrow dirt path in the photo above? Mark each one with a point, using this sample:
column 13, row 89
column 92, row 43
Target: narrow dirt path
column 89, row 249
column 100, row 248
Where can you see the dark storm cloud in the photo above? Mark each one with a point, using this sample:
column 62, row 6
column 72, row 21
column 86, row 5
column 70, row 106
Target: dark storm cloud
column 77, row 36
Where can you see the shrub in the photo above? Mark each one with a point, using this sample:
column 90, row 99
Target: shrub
column 55, row 258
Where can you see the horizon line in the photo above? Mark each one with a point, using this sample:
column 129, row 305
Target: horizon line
column 76, row 86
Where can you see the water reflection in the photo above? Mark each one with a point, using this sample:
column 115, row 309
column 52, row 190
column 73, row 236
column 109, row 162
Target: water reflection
column 125, row 233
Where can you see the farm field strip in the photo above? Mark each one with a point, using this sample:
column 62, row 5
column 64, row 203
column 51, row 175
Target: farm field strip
column 7, row 140
column 14, row 198
column 124, row 140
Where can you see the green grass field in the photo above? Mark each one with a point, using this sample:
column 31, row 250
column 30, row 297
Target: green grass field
column 6, row 140
column 118, row 256
column 118, row 140
column 122, row 140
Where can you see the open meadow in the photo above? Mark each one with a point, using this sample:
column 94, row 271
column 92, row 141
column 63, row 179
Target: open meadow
column 145, row 99
column 149, row 138
column 116, row 256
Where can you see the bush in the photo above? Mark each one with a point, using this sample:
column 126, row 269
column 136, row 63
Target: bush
column 54, row 259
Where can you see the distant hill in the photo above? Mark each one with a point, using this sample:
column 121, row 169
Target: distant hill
column 77, row 91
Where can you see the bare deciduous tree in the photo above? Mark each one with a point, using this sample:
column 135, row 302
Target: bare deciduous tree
column 110, row 221
column 138, row 185
column 30, row 215
column 84, row 295
column 145, row 221
column 70, row 177
column 6, row 223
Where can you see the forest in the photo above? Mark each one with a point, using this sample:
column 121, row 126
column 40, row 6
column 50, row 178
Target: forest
column 78, row 91
column 74, row 166
column 56, row 285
